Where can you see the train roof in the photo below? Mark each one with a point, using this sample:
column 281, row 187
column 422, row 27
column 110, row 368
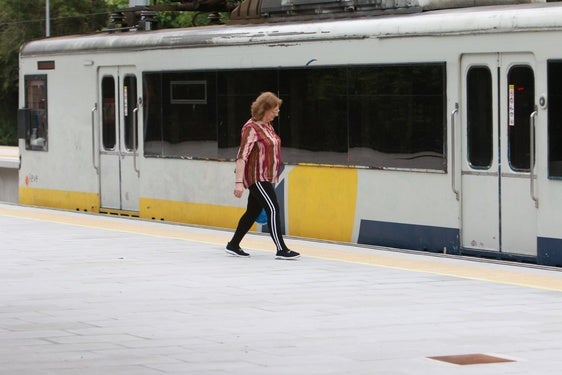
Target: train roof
column 474, row 20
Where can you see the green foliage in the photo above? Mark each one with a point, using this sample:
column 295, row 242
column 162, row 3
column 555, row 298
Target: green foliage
column 114, row 4
column 24, row 20
column 171, row 19
column 77, row 16
column 8, row 125
column 174, row 19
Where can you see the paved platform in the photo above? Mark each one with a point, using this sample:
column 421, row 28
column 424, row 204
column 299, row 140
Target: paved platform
column 87, row 294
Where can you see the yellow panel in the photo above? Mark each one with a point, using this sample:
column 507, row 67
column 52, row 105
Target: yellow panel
column 191, row 213
column 68, row 200
column 181, row 212
column 322, row 202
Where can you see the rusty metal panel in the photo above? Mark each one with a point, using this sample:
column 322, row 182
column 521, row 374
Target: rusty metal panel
column 248, row 10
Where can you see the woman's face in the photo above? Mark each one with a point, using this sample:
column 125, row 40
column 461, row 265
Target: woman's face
column 271, row 114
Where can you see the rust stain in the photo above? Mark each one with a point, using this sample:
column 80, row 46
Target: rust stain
column 470, row 359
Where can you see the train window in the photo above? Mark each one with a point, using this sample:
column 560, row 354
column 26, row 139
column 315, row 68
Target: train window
column 108, row 113
column 397, row 116
column 152, row 109
column 313, row 118
column 479, row 117
column 375, row 116
column 36, row 101
column 129, row 113
column 236, row 90
column 179, row 123
column 555, row 119
column 521, row 99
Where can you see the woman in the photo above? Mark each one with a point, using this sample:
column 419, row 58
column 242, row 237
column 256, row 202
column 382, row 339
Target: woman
column 257, row 169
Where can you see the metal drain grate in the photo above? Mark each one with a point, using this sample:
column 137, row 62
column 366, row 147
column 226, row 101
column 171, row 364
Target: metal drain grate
column 470, row 359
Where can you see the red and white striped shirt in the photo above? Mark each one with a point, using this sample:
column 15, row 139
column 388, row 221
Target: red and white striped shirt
column 260, row 148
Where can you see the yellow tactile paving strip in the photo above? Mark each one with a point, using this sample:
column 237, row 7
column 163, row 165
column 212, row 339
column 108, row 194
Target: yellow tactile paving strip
column 512, row 275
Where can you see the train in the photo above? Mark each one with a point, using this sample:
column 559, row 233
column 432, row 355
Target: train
column 412, row 127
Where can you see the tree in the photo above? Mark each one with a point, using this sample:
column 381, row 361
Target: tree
column 24, row 20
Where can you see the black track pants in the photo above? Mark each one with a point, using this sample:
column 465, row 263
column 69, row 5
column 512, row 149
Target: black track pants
column 262, row 195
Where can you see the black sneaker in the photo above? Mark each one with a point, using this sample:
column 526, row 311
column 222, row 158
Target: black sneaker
column 236, row 251
column 287, row 254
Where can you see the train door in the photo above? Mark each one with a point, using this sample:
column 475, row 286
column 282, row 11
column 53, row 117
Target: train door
column 119, row 176
column 498, row 210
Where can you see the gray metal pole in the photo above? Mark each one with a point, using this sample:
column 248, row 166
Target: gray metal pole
column 47, row 19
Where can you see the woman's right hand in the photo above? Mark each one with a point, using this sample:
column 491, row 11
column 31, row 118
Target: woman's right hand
column 238, row 189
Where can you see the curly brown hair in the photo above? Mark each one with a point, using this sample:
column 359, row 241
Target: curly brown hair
column 263, row 103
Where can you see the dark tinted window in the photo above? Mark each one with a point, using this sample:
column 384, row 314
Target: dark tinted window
column 236, row 90
column 375, row 116
column 479, row 117
column 396, row 116
column 180, row 114
column 36, row 133
column 130, row 115
column 521, row 99
column 108, row 113
column 555, row 119
column 313, row 118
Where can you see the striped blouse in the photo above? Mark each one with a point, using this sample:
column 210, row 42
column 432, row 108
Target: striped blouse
column 260, row 148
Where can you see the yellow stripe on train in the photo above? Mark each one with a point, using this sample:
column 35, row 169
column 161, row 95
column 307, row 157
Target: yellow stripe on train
column 155, row 209
column 192, row 213
column 68, row 200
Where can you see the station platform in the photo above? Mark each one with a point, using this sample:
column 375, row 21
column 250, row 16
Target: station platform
column 91, row 294
column 9, row 166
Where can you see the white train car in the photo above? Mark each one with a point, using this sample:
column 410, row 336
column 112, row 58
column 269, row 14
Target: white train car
column 435, row 130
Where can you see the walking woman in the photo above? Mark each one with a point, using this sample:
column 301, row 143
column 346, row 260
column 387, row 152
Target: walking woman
column 257, row 169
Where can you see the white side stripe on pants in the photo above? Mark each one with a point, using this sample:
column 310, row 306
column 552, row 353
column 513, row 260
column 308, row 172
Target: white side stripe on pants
column 273, row 226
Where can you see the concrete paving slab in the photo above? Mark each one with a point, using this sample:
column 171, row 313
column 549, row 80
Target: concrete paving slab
column 86, row 294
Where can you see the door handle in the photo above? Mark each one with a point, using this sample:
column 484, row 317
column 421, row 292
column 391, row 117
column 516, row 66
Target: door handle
column 135, row 141
column 94, row 138
column 453, row 152
column 532, row 121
